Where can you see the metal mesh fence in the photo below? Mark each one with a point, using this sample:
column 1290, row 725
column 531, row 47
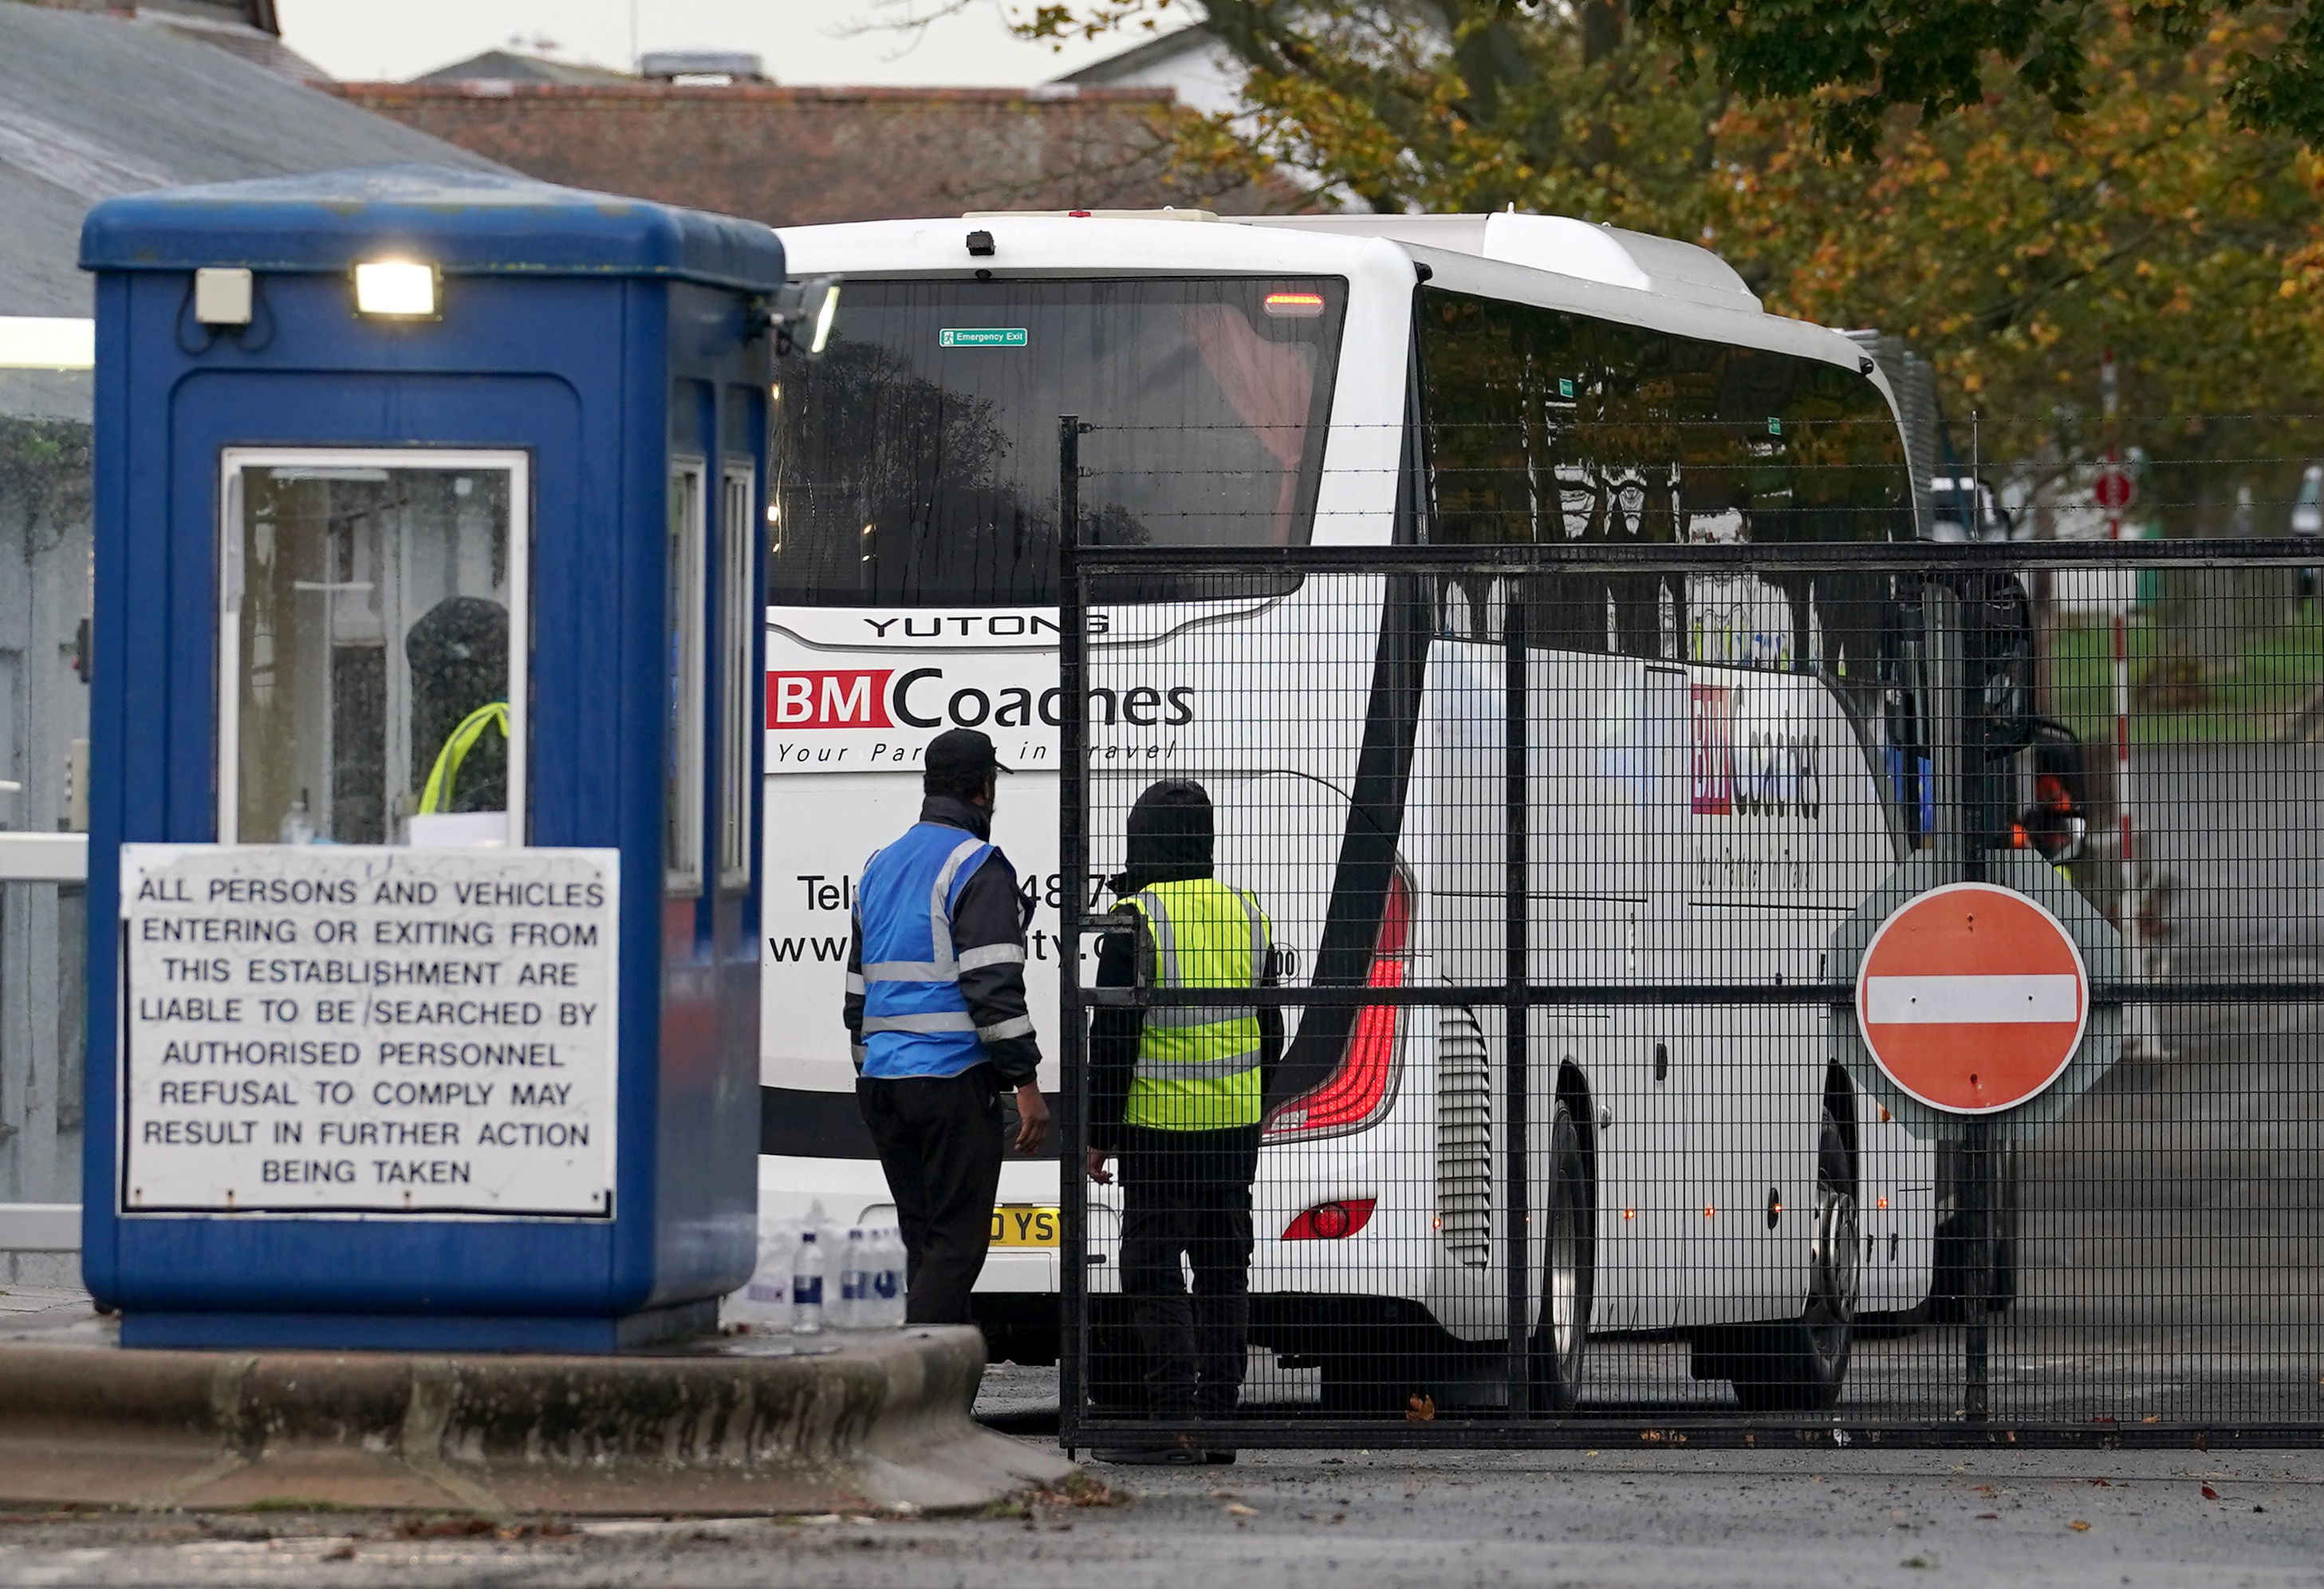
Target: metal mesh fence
column 1524, row 1035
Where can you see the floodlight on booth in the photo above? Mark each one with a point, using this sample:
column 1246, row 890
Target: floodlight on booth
column 396, row 288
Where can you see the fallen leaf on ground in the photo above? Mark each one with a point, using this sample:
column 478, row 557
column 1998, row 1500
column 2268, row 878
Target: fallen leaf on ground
column 2210, row 1493
column 2078, row 1526
column 1236, row 1509
column 1081, row 1489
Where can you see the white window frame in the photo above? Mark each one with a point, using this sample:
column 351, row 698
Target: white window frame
column 739, row 612
column 233, row 461
column 684, row 543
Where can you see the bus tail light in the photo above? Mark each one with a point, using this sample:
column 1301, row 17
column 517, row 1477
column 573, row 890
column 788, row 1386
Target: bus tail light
column 1330, row 1221
column 1359, row 1092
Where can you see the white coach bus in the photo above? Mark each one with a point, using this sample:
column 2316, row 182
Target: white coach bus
column 1721, row 767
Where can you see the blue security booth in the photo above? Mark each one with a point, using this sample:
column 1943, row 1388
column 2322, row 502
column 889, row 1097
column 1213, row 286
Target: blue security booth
column 425, row 809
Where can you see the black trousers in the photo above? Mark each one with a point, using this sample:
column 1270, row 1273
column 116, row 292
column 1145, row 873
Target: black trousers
column 939, row 1140
column 1188, row 1194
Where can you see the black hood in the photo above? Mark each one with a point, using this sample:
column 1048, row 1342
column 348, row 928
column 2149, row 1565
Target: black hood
column 1170, row 836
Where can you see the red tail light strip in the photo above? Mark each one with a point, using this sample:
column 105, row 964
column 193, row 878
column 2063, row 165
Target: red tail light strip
column 1354, row 1093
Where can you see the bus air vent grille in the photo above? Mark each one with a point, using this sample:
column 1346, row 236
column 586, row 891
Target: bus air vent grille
column 1464, row 1138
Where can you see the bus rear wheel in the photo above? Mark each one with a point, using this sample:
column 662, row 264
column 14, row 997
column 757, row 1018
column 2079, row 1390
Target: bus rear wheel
column 1569, row 1271
column 1801, row 1364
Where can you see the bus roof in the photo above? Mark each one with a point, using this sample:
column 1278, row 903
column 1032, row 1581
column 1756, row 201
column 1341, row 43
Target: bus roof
column 1553, row 262
column 1554, row 243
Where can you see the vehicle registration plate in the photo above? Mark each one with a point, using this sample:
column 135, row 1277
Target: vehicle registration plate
column 1022, row 1226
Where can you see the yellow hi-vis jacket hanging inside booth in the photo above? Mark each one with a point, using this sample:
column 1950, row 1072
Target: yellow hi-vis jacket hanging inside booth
column 437, row 797
column 1198, row 1067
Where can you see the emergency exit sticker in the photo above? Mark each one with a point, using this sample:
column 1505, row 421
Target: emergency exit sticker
column 981, row 337
column 367, row 1030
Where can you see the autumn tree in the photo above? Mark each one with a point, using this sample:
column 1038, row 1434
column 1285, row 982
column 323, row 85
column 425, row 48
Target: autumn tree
column 1864, row 60
column 2013, row 240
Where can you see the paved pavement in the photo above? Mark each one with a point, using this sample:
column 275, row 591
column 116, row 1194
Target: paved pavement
column 1291, row 1519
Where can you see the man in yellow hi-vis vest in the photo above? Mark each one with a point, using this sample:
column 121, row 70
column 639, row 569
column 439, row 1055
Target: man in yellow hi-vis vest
column 443, row 779
column 1176, row 1095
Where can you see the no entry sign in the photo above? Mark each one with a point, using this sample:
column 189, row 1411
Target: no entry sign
column 1972, row 999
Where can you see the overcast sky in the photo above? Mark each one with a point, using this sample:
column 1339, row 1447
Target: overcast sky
column 803, row 41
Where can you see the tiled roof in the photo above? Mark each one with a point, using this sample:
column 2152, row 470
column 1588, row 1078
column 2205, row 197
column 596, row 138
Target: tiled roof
column 796, row 156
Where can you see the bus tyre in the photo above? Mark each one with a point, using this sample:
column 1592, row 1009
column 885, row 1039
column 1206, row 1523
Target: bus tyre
column 1800, row 1365
column 1569, row 1271
column 1953, row 1267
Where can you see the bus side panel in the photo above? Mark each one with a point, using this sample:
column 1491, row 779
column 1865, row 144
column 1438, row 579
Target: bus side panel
column 1784, row 834
column 1607, row 888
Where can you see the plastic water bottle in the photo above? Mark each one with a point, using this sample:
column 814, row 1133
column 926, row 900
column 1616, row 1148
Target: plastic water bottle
column 806, row 1286
column 856, row 1266
column 766, row 1298
column 888, row 1277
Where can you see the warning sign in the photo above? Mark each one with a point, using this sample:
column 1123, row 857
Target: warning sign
column 1972, row 999
column 367, row 1030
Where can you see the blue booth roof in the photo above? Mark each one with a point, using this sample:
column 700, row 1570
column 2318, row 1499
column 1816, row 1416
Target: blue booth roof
column 465, row 222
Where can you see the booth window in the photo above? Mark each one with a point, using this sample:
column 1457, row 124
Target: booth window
column 738, row 621
column 682, row 775
column 373, row 647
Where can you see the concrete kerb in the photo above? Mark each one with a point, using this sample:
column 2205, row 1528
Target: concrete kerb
column 881, row 1423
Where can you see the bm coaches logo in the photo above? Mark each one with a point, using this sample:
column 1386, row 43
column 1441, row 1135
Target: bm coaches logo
column 829, row 698
column 921, row 698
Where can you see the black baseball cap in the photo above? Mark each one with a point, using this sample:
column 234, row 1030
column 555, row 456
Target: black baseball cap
column 962, row 753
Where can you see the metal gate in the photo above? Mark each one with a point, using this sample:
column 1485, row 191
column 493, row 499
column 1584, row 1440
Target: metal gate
column 1578, row 1126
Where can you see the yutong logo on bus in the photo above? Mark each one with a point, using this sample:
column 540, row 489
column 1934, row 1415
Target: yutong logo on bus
column 918, row 697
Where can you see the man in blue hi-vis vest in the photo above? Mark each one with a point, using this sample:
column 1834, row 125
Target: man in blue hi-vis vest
column 935, row 1009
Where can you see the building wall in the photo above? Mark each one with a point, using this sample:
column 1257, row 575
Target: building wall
column 794, row 156
column 1195, row 66
column 44, row 569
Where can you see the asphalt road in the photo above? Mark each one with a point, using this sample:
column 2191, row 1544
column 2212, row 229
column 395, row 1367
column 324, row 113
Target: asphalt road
column 1290, row 1519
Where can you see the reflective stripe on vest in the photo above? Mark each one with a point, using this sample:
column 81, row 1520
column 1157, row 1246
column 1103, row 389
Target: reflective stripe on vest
column 915, row 1019
column 435, row 796
column 1198, row 1067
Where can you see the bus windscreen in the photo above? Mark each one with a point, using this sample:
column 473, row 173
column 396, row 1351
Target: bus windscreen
column 917, row 460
